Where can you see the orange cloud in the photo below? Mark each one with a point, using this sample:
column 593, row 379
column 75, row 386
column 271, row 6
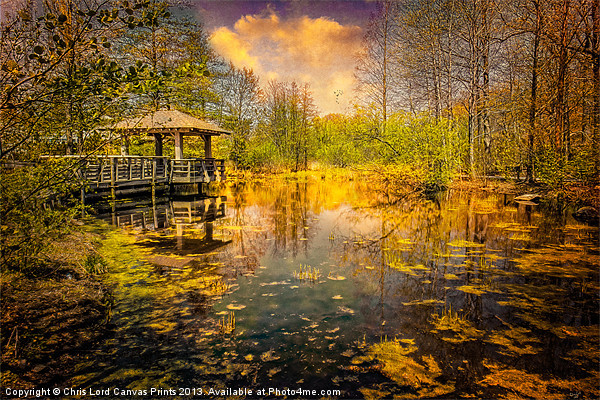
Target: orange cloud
column 233, row 48
column 318, row 51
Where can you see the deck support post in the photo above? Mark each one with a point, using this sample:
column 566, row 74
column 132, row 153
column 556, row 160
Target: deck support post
column 113, row 179
column 209, row 231
column 207, row 146
column 178, row 145
column 158, row 144
column 153, row 163
column 201, row 188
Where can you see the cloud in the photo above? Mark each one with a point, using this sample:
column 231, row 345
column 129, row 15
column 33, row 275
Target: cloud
column 233, row 48
column 318, row 51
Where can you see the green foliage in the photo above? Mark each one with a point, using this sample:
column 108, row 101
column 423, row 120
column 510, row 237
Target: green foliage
column 550, row 167
column 95, row 264
column 334, row 142
column 554, row 169
column 263, row 155
column 417, row 151
column 29, row 222
column 396, row 181
column 58, row 84
column 170, row 51
column 581, row 164
column 425, row 143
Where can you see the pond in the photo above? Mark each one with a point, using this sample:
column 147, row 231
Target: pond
column 313, row 288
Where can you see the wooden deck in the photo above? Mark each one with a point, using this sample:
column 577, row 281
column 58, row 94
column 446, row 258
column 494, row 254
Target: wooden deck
column 123, row 171
column 134, row 174
column 197, row 170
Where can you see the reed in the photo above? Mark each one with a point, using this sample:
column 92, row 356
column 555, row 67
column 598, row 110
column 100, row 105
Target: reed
column 307, row 273
column 227, row 324
column 218, row 287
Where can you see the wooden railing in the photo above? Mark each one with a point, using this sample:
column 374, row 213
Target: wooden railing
column 124, row 170
column 131, row 174
column 197, row 170
column 188, row 212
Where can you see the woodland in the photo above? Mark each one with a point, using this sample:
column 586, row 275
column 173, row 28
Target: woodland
column 447, row 91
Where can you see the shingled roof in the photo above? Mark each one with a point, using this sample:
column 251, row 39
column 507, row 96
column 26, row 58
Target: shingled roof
column 166, row 121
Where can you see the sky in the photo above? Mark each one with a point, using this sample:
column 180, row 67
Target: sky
column 306, row 41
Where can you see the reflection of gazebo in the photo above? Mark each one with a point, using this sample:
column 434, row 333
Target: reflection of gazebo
column 171, row 123
column 165, row 123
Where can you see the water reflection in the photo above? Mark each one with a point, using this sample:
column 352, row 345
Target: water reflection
column 461, row 295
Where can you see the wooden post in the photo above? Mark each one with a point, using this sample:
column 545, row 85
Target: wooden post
column 207, row 146
column 158, row 144
column 208, row 227
column 113, row 179
column 154, row 161
column 178, row 145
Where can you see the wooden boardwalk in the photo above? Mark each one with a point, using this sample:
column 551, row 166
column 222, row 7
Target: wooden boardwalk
column 197, row 170
column 133, row 174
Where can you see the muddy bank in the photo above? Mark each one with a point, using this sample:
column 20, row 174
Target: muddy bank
column 52, row 318
column 576, row 194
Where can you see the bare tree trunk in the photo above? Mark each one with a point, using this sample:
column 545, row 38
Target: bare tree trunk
column 595, row 39
column 561, row 122
column 485, row 89
column 473, row 87
column 534, row 88
column 384, row 78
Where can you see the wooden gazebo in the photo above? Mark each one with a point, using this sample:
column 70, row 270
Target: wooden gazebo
column 171, row 123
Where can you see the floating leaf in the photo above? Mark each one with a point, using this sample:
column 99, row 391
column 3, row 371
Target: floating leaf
column 465, row 243
column 471, row 289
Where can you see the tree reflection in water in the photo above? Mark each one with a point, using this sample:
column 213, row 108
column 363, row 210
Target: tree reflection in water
column 463, row 294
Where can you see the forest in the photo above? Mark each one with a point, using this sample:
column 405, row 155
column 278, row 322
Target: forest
column 445, row 89
column 447, row 92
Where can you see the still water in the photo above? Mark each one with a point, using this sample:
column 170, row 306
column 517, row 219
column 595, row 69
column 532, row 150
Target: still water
column 319, row 285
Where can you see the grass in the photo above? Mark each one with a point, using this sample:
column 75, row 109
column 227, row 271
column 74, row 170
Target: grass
column 227, row 324
column 454, row 327
column 307, row 273
column 398, row 360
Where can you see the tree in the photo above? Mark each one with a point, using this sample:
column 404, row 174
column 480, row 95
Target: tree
column 175, row 48
column 56, row 80
column 592, row 50
column 288, row 111
column 240, row 93
column 376, row 71
column 308, row 112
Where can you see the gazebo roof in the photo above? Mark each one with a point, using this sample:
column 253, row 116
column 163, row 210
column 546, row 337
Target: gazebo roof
column 170, row 121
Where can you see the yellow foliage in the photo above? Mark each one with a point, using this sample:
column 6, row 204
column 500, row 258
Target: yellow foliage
column 520, row 384
column 460, row 329
column 406, row 370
